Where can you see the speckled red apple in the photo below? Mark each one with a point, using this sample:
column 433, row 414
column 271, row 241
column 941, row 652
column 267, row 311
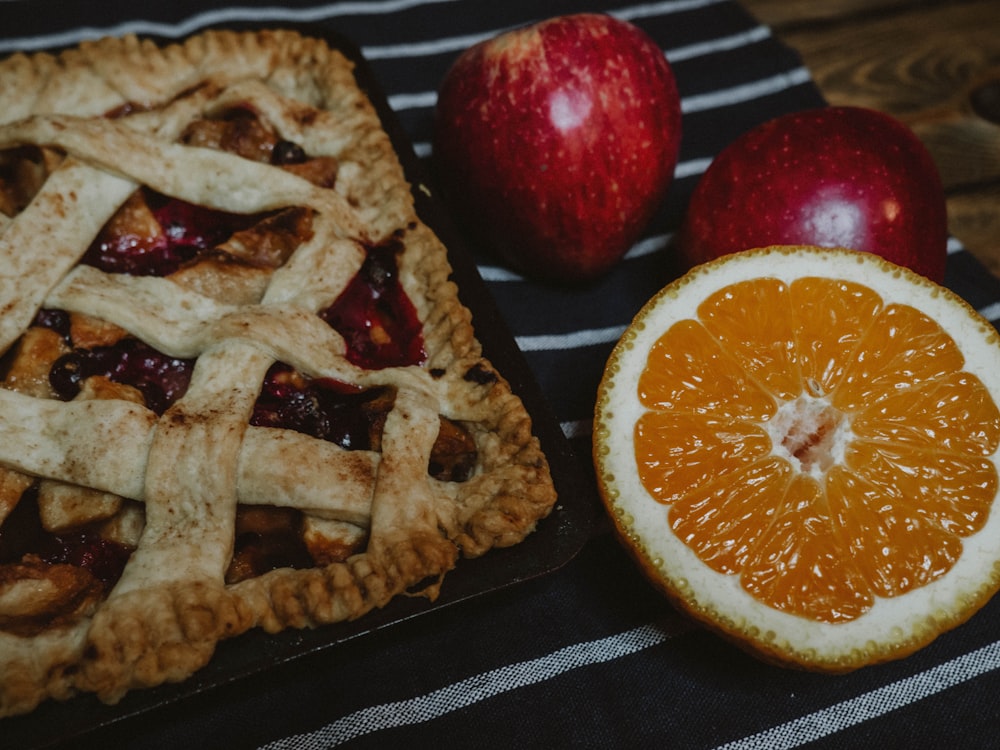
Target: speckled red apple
column 560, row 140
column 837, row 176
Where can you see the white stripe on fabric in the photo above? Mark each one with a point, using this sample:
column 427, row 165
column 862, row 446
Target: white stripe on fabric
column 648, row 246
column 745, row 92
column 692, row 167
column 575, row 340
column 991, row 312
column 459, row 43
column 429, row 47
column 640, row 249
column 873, row 704
column 498, row 273
column 955, row 245
column 477, row 688
column 722, row 44
column 211, row 17
column 648, row 10
column 419, row 100
column 581, row 428
column 306, row 15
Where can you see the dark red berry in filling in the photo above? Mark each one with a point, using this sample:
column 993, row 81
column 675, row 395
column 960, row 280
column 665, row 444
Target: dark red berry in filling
column 161, row 379
column 184, row 230
column 375, row 317
column 322, row 408
column 287, row 152
column 54, row 320
column 104, row 558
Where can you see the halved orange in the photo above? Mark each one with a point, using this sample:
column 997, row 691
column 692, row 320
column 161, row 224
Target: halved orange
column 800, row 448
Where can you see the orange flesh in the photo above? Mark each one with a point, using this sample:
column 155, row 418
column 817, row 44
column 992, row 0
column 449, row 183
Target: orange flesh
column 882, row 466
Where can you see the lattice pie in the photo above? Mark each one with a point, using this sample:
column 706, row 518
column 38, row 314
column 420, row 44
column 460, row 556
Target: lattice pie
column 238, row 388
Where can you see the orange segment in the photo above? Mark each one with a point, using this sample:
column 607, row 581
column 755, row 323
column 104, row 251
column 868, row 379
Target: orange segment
column 954, row 491
column 825, row 440
column 688, row 370
column 751, row 322
column 954, row 412
column 831, row 316
column 799, row 566
column 680, row 452
column 721, row 520
column 903, row 348
column 874, row 519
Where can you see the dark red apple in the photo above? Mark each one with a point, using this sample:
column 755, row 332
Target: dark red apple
column 559, row 140
column 836, row 176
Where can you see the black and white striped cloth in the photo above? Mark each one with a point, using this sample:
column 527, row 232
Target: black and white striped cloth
column 587, row 656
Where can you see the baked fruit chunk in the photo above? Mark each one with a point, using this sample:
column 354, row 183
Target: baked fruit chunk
column 238, row 389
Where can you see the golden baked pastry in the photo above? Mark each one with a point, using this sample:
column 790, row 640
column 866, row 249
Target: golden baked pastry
column 239, row 388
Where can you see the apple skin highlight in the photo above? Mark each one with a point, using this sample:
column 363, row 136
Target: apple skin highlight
column 559, row 140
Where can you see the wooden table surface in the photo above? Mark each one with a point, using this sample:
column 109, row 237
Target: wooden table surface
column 934, row 65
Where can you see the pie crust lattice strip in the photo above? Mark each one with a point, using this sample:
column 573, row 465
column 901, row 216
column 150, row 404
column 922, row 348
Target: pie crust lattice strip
column 268, row 134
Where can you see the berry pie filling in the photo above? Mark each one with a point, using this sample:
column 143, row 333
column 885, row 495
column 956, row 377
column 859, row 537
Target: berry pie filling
column 152, row 235
column 374, row 315
column 68, row 356
column 160, row 379
column 272, row 416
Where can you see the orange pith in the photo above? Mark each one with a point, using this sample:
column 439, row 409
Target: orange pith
column 793, row 429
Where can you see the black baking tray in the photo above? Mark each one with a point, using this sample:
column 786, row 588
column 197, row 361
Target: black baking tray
column 555, row 542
